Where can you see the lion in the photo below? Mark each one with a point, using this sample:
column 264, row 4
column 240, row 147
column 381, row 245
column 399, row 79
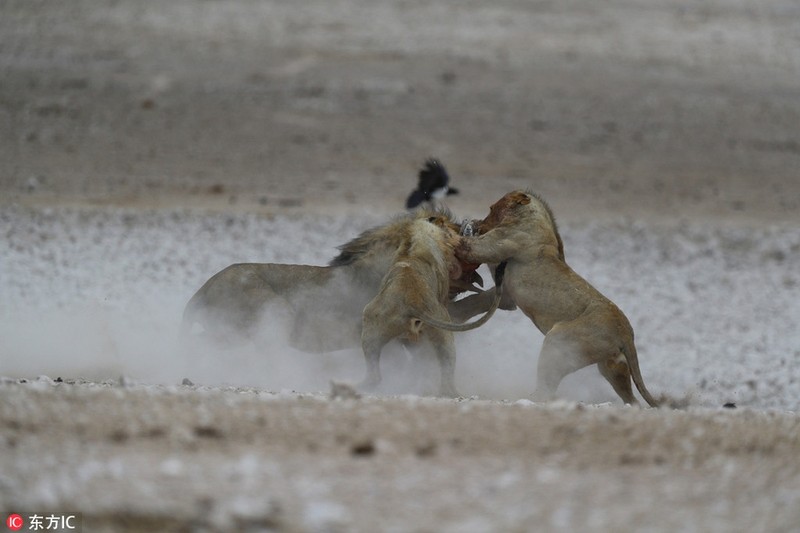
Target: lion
column 580, row 325
column 320, row 306
column 412, row 300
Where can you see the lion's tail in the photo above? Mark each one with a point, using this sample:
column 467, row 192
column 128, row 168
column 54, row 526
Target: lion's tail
column 629, row 350
column 449, row 326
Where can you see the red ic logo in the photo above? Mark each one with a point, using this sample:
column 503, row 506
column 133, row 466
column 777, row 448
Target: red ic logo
column 14, row 522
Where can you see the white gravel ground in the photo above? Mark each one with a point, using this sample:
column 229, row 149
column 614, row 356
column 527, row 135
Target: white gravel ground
column 98, row 293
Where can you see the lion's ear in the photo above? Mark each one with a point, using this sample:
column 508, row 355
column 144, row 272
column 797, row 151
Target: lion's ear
column 521, row 198
column 437, row 221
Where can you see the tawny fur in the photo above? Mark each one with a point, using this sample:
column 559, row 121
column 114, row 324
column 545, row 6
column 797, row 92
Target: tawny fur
column 321, row 306
column 581, row 326
column 412, row 300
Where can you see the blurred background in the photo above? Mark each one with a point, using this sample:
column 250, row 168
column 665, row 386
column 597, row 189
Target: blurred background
column 656, row 107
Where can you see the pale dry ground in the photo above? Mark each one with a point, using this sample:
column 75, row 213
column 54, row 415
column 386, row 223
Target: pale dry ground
column 136, row 458
column 98, row 292
column 665, row 132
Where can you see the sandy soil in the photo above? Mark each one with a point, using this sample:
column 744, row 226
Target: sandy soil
column 136, row 458
column 146, row 145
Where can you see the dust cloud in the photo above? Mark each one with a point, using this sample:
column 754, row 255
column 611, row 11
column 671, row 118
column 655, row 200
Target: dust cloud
column 141, row 341
column 99, row 294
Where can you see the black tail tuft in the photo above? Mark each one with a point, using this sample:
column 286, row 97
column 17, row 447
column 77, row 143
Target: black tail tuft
column 499, row 273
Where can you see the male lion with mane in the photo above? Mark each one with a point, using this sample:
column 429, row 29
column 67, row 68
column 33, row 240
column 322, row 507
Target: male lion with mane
column 320, row 306
column 412, row 299
column 580, row 325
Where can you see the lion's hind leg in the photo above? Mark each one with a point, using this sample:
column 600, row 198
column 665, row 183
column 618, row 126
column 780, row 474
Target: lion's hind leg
column 380, row 325
column 615, row 370
column 444, row 346
column 563, row 352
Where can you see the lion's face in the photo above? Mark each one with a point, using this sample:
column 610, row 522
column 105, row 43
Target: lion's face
column 503, row 209
column 445, row 223
column 463, row 276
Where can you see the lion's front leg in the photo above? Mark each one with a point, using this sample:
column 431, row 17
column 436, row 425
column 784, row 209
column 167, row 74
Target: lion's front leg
column 495, row 246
